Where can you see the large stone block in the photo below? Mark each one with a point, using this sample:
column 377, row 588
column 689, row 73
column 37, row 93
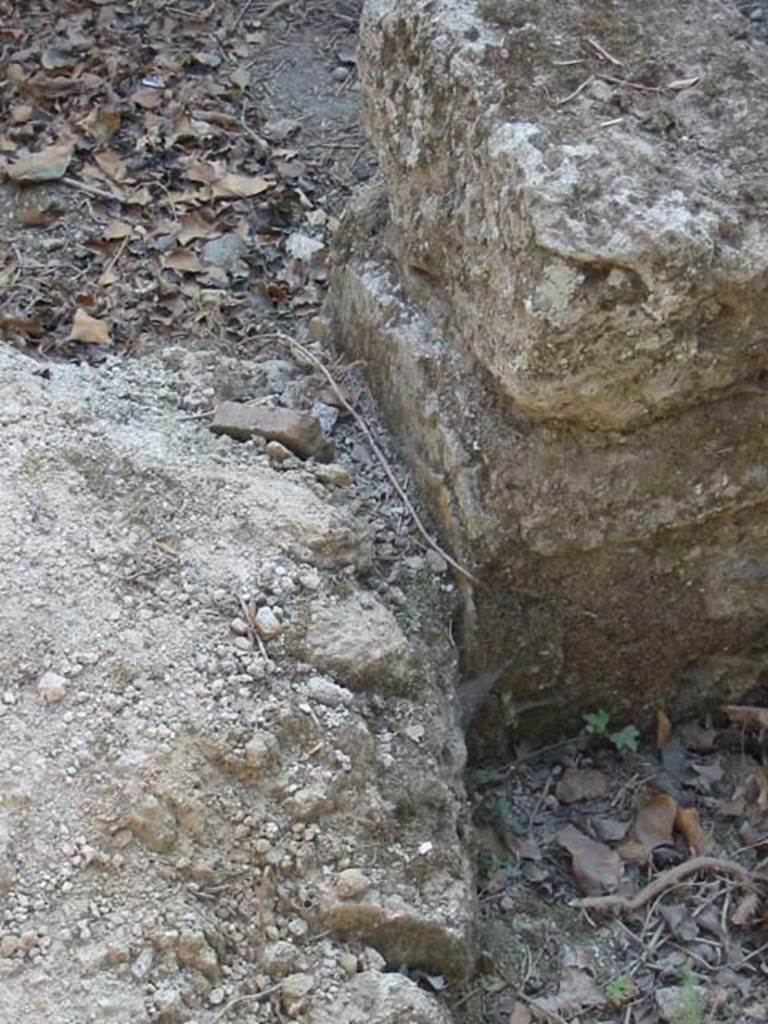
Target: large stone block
column 561, row 299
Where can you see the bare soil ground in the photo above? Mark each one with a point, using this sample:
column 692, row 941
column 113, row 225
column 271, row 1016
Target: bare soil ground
column 187, row 808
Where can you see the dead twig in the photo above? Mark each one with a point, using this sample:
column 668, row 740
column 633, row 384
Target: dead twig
column 273, row 8
column 287, row 341
column 241, row 14
column 257, row 997
column 576, row 91
column 630, row 85
column 604, row 53
column 90, row 190
column 623, row 904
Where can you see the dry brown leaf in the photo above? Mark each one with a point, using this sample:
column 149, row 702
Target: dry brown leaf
column 34, row 217
column 241, row 77
column 147, row 98
column 184, row 261
column 663, row 729
column 688, row 823
column 112, row 165
column 596, row 867
column 22, row 112
column 746, row 911
column 201, row 172
column 100, row 124
column 89, row 329
column 654, row 823
column 241, row 186
column 577, row 991
column 520, row 1014
column 117, row 230
column 107, row 278
column 580, row 784
column 194, row 225
column 749, row 717
column 139, row 197
column 47, row 165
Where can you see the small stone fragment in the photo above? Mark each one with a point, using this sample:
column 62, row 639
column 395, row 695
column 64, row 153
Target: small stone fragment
column 295, row 988
column 154, row 823
column 142, row 965
column 267, row 623
column 239, row 627
column 333, row 474
column 436, row 562
column 310, row 803
column 324, row 691
column 303, row 247
column 328, row 415
column 675, row 1001
column 193, row 951
column 348, row 963
column 52, row 687
column 10, row 945
column 277, row 451
column 359, row 641
column 372, row 960
column 7, row 869
column 261, row 750
column 299, row 432
column 281, row 128
column 226, row 251
column 351, row 884
column 280, row 959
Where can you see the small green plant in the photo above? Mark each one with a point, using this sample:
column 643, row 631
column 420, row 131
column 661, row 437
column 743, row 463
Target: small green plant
column 624, row 740
column 597, row 722
column 620, row 991
column 691, row 1004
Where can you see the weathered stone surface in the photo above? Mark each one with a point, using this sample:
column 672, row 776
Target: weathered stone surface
column 565, row 323
column 359, row 641
column 381, row 999
column 298, row 431
column 7, row 870
column 154, row 823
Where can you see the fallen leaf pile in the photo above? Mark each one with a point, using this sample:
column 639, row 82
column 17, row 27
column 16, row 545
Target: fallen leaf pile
column 153, row 198
column 656, row 848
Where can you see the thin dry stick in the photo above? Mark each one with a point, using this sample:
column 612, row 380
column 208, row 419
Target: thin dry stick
column 242, row 13
column 664, row 882
column 284, row 339
column 576, row 91
column 258, row 997
column 90, row 190
column 631, row 85
column 112, row 263
column 274, row 8
column 603, row 52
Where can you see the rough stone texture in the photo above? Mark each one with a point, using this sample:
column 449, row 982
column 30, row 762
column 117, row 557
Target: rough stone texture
column 560, row 298
column 359, row 640
column 194, row 797
column 381, row 999
column 298, row 431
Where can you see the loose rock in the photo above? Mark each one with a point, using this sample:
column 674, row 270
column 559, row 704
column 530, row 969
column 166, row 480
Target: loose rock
column 299, row 432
